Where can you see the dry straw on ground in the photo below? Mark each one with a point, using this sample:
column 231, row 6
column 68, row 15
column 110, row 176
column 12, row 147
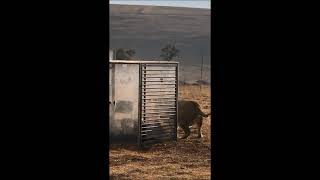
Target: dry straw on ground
column 185, row 159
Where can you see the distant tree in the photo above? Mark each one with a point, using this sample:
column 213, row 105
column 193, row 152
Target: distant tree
column 169, row 52
column 122, row 54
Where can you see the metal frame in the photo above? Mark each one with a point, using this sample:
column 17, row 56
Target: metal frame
column 139, row 108
column 157, row 128
column 142, row 62
column 177, row 98
column 160, row 116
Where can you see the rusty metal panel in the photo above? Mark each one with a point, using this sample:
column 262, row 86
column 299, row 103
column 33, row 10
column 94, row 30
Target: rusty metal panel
column 159, row 95
column 125, row 106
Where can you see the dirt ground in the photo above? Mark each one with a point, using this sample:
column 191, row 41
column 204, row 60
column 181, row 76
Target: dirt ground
column 185, row 159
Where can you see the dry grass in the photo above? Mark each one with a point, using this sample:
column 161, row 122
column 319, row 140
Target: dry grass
column 185, row 159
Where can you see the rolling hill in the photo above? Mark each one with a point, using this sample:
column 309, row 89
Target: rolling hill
column 146, row 29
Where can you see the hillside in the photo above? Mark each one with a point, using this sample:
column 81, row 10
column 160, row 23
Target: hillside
column 148, row 28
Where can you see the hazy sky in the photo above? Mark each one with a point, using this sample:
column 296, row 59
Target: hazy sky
column 183, row 3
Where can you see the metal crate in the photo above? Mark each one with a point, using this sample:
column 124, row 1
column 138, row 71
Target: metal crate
column 143, row 98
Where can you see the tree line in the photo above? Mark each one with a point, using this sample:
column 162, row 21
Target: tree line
column 168, row 53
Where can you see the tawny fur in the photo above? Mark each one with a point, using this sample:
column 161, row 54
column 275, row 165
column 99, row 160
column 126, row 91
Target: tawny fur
column 189, row 113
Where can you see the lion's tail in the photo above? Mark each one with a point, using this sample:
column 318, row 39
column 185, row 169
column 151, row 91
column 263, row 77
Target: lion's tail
column 200, row 111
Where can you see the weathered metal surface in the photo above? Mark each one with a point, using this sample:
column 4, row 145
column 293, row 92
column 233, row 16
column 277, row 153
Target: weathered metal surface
column 159, row 97
column 142, row 62
column 125, row 107
column 143, row 101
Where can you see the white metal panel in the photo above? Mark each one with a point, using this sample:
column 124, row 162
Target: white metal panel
column 124, row 125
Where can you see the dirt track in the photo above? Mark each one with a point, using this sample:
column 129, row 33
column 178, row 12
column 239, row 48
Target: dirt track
column 185, row 159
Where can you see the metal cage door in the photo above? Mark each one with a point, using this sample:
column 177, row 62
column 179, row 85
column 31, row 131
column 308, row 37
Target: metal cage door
column 158, row 103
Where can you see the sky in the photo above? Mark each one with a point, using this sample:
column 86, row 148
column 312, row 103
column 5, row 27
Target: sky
column 183, row 3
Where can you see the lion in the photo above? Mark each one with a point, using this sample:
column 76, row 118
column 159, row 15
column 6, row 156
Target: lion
column 189, row 113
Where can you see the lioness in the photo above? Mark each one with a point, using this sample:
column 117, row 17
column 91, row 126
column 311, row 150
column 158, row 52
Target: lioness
column 189, row 113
